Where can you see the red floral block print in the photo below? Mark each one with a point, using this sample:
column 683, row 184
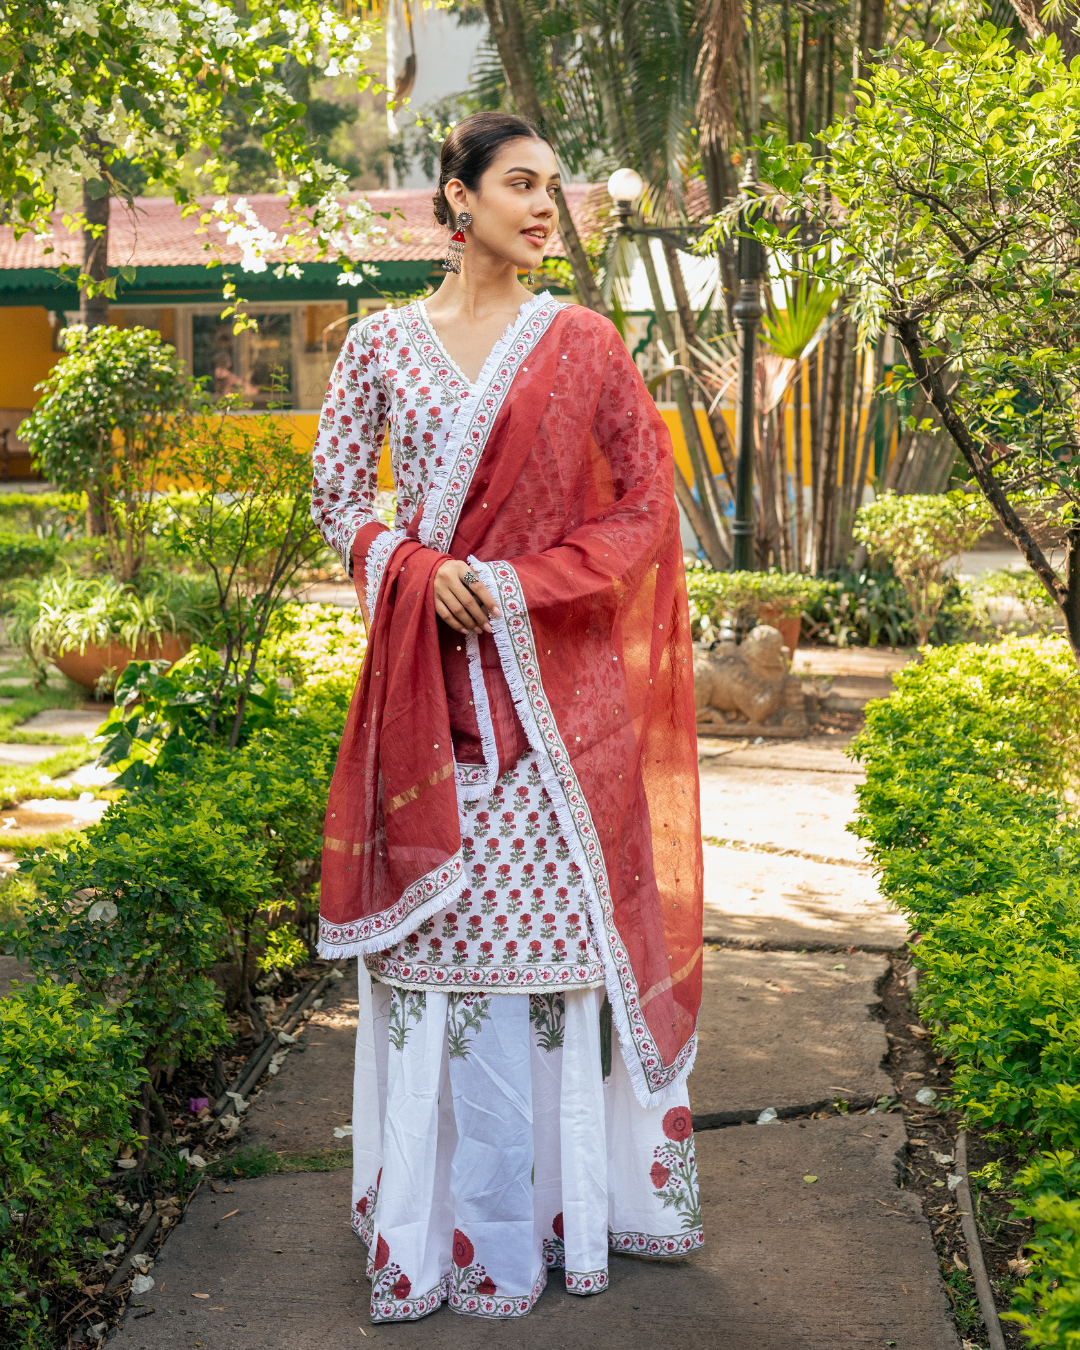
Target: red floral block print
column 677, row 1123
column 382, row 1254
column 487, row 1286
column 463, row 1249
column 651, row 1245
column 659, row 1174
column 587, row 1282
column 532, row 953
column 402, row 1287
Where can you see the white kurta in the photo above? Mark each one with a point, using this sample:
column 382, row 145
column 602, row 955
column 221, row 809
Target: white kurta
column 488, row 1148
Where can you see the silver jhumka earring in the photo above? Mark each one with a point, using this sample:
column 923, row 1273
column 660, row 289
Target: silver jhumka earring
column 529, row 278
column 452, row 261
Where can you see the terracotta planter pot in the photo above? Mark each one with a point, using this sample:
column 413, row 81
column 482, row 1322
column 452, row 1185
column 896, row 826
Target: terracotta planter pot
column 87, row 667
column 789, row 627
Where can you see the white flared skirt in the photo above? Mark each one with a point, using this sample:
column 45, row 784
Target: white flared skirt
column 489, row 1148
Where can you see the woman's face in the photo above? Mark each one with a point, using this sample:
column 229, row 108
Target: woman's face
column 513, row 210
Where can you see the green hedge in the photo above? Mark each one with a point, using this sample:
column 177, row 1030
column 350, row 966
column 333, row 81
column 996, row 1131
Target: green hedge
column 67, row 1073
column 128, row 920
column 968, row 810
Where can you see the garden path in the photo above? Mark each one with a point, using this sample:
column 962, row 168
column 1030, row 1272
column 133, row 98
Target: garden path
column 810, row 1243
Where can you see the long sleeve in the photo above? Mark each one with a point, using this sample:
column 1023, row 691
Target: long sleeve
column 349, row 443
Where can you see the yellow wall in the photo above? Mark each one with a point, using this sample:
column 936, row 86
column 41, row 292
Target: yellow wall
column 26, row 354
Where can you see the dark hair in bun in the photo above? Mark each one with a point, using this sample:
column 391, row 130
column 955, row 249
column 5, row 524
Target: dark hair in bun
column 470, row 148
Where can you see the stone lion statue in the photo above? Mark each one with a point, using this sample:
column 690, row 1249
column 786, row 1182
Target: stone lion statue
column 749, row 688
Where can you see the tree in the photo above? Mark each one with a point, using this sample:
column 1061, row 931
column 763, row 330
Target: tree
column 93, row 87
column 105, row 424
column 950, row 205
column 248, row 524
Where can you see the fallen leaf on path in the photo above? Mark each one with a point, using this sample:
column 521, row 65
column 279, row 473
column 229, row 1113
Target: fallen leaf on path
column 1020, row 1266
column 954, row 1181
column 810, row 1179
column 767, row 1116
column 342, row 1131
column 920, row 1032
column 142, row 1284
column 200, row 1296
column 958, row 1263
column 943, row 1158
column 926, row 1096
column 918, row 1143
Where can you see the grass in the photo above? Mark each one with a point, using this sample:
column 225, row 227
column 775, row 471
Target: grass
column 19, row 781
column 29, row 702
column 259, row 1161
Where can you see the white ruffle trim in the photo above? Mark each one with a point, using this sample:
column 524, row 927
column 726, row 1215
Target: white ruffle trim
column 378, row 555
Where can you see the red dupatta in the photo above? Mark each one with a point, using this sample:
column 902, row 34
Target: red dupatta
column 557, row 486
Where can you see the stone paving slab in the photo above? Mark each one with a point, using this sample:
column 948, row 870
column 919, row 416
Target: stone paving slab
column 787, row 1265
column 26, row 754
column 65, row 722
column 789, row 1030
column 755, row 898
column 817, row 755
column 298, row 1110
column 877, row 662
column 786, row 808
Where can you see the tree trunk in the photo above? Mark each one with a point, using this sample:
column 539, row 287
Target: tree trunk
column 798, row 471
column 688, row 323
column 705, row 519
column 833, row 398
column 1063, row 26
column 94, row 309
column 507, row 24
column 852, row 408
column 813, row 370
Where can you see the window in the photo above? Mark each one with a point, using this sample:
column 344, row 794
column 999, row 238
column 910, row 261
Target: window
column 286, row 360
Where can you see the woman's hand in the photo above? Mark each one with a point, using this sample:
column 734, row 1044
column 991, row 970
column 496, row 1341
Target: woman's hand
column 465, row 609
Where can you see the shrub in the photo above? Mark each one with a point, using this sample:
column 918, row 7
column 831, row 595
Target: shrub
column 740, row 596
column 134, row 910
column 67, row 1073
column 106, row 423
column 23, row 555
column 919, row 535
column 313, row 643
column 1023, row 588
column 972, row 767
column 865, row 608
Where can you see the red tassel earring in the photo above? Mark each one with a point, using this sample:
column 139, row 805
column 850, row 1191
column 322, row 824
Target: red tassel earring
column 452, row 261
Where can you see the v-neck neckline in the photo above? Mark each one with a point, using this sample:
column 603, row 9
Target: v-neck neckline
column 507, row 333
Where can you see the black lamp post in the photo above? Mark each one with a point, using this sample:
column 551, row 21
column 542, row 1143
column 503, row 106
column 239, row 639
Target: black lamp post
column 747, row 313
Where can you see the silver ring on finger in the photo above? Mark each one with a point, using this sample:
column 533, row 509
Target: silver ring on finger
column 470, row 578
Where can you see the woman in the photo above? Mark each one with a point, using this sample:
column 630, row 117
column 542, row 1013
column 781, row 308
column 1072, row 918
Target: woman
column 512, row 841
